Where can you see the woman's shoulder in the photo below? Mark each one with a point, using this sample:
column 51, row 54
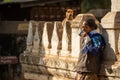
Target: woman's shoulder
column 94, row 34
column 97, row 37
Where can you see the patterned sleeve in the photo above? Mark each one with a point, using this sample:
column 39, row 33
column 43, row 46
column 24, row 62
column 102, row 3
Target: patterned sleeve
column 97, row 44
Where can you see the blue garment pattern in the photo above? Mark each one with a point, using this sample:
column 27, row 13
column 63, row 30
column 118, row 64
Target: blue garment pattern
column 97, row 43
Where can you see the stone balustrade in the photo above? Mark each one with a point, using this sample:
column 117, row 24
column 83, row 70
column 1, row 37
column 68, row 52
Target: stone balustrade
column 49, row 50
column 49, row 38
column 52, row 49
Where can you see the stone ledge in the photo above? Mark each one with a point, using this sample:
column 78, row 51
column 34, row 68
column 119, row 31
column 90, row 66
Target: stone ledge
column 43, row 77
column 47, row 71
column 62, row 66
column 49, row 65
column 67, row 63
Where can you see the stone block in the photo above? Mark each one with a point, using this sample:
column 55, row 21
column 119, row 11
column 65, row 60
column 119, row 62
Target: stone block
column 58, row 78
column 32, row 76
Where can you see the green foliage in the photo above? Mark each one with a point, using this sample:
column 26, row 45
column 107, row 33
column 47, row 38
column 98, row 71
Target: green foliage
column 7, row 0
column 94, row 4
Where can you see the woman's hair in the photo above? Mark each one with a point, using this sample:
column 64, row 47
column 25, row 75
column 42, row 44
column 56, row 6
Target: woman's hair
column 91, row 23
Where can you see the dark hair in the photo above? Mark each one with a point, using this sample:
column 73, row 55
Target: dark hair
column 91, row 23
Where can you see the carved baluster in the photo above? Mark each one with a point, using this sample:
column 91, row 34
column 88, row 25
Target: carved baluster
column 68, row 30
column 40, row 29
column 59, row 33
column 50, row 27
column 29, row 38
column 65, row 42
column 54, row 40
column 45, row 41
column 36, row 41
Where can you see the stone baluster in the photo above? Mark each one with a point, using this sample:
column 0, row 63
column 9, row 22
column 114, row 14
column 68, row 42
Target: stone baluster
column 36, row 41
column 65, row 41
column 59, row 33
column 54, row 40
column 50, row 27
column 46, row 37
column 29, row 38
column 45, row 41
column 40, row 29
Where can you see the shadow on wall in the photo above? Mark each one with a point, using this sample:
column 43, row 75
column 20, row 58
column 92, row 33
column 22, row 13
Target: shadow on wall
column 109, row 57
column 117, row 32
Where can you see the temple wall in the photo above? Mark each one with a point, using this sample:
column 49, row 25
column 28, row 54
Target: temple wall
column 52, row 50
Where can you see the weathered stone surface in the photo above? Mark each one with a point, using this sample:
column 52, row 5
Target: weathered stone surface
column 111, row 25
column 115, row 5
column 32, row 76
column 59, row 78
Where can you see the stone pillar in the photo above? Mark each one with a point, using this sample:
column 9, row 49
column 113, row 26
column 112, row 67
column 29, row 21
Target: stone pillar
column 111, row 32
column 111, row 25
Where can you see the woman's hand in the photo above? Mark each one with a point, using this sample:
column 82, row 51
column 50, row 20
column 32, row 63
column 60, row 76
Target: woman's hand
column 83, row 34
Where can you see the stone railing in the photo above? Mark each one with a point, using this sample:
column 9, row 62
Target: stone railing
column 52, row 50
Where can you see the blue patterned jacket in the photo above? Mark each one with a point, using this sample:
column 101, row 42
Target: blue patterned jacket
column 96, row 45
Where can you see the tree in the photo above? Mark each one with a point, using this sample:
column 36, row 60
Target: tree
column 86, row 5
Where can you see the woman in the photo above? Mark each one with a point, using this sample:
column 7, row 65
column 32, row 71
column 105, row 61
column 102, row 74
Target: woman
column 89, row 61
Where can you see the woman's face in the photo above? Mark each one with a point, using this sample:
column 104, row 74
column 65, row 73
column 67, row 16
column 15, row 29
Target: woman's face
column 86, row 28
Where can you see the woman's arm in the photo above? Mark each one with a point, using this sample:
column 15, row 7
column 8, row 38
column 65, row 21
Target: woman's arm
column 96, row 46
